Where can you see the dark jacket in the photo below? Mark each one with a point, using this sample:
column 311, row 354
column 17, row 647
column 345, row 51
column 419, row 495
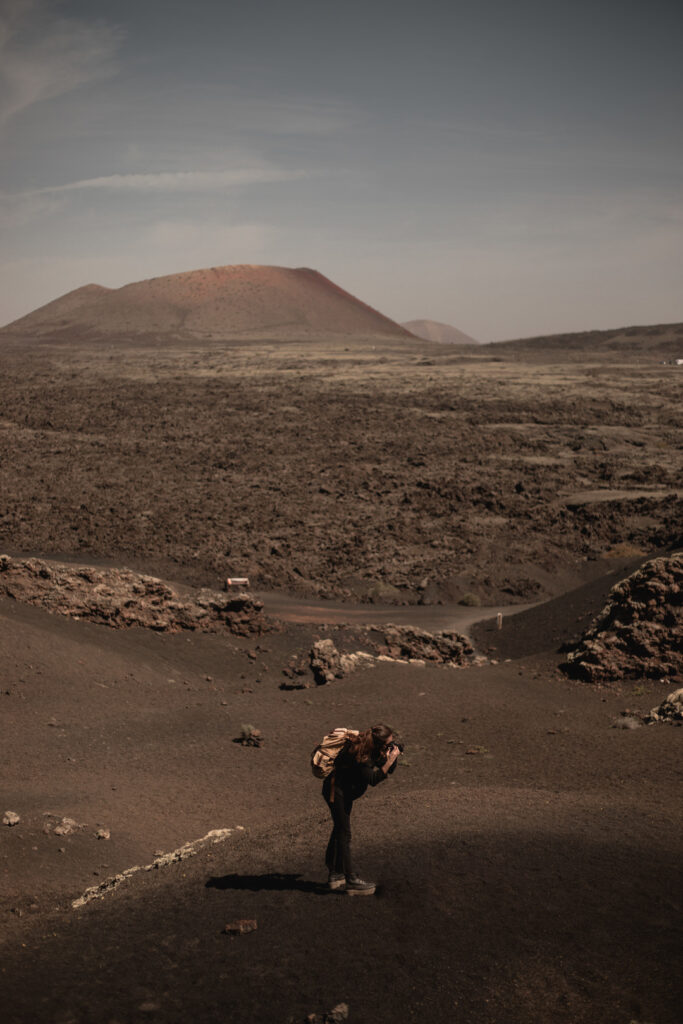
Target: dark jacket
column 352, row 777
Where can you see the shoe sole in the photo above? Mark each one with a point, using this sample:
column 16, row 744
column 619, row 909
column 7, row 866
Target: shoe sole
column 336, row 886
column 361, row 892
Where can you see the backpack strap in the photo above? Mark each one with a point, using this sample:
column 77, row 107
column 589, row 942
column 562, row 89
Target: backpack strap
column 333, row 774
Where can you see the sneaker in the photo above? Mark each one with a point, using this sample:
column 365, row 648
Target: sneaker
column 336, row 881
column 355, row 886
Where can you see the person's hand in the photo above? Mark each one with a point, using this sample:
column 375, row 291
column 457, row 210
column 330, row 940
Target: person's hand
column 392, row 754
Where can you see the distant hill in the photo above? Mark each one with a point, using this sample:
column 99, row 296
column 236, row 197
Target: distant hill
column 222, row 302
column 432, row 330
column 660, row 340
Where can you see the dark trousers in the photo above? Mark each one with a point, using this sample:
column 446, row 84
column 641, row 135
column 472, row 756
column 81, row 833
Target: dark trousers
column 338, row 854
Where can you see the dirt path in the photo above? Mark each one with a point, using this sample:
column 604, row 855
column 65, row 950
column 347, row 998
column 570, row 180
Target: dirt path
column 430, row 617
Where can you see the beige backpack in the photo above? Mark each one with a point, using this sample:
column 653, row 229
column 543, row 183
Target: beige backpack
column 327, row 751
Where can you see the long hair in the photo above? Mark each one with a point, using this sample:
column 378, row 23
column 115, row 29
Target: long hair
column 370, row 742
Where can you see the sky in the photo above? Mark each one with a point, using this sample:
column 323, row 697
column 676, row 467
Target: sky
column 513, row 169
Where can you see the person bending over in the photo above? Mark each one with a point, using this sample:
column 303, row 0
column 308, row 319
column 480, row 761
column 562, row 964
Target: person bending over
column 364, row 761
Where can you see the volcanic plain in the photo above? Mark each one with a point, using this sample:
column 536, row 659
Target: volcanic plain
column 527, row 851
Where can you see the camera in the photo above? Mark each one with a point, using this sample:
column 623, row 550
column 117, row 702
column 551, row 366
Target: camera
column 392, row 746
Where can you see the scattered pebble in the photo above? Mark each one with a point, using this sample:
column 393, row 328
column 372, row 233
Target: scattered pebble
column 11, row 818
column 240, row 927
column 336, row 1015
column 103, row 833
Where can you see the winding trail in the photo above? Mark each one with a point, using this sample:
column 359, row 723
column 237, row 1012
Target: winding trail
column 335, row 613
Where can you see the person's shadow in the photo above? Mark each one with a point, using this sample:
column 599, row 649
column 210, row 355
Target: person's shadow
column 275, row 882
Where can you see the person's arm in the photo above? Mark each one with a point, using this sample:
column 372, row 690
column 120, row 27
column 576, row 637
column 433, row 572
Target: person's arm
column 373, row 774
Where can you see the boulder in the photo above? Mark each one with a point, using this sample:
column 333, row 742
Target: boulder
column 326, row 662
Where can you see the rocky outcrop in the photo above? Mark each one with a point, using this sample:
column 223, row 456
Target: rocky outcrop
column 639, row 632
column 670, row 710
column 410, row 643
column 122, row 598
column 401, row 644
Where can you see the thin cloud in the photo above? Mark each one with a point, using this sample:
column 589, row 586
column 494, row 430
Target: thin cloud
column 296, row 116
column 43, row 56
column 170, row 181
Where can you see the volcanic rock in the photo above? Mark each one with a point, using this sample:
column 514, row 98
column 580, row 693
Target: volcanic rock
column 123, row 598
column 639, row 632
column 67, row 827
column 249, row 737
column 326, row 662
column 410, row 643
column 241, row 927
column 670, row 710
column 336, row 1015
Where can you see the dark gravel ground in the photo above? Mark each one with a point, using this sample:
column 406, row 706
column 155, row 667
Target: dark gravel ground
column 534, row 880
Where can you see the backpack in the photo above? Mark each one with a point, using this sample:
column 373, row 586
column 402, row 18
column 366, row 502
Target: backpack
column 327, row 751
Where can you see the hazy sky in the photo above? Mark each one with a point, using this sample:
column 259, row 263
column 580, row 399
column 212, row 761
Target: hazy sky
column 512, row 168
